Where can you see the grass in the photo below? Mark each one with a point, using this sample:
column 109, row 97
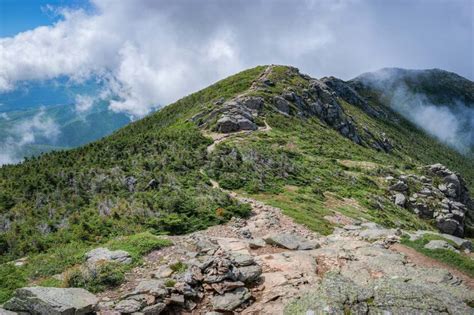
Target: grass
column 178, row 267
column 67, row 258
column 459, row 261
column 170, row 283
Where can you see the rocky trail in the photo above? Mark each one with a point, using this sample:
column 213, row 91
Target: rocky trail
column 268, row 264
column 279, row 260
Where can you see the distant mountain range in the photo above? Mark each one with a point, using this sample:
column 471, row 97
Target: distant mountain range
column 42, row 116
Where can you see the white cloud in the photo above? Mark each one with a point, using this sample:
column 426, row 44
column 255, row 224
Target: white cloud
column 83, row 103
column 154, row 52
column 25, row 133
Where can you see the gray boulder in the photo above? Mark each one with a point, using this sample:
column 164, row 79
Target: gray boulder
column 128, row 306
column 153, row 286
column 252, row 102
column 290, row 241
column 228, row 124
column 400, row 200
column 439, row 244
column 242, row 259
column 104, row 254
column 52, row 301
column 460, row 242
column 399, row 186
column 447, row 225
column 256, row 243
column 250, row 274
column 230, row 300
column 154, row 309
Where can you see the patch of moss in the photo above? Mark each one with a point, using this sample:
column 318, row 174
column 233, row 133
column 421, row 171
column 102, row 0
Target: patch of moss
column 179, row 267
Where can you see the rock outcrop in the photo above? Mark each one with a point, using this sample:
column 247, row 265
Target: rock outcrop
column 440, row 194
column 233, row 115
column 52, row 301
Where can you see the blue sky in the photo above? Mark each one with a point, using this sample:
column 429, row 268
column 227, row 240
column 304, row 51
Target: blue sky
column 22, row 15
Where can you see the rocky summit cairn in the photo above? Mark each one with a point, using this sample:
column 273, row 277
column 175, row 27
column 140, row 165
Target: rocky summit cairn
column 52, row 301
column 440, row 194
column 210, row 272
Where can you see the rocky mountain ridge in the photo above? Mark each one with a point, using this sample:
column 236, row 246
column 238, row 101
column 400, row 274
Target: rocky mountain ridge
column 279, row 192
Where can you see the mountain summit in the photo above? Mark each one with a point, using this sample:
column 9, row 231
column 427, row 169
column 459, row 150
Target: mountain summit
column 324, row 151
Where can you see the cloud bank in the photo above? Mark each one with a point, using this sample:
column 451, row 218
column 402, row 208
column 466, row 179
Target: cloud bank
column 25, row 133
column 150, row 53
column 452, row 124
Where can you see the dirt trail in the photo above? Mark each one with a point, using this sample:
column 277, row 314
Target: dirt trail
column 424, row 261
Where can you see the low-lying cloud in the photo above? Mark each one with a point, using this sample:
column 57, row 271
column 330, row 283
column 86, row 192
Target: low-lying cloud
column 27, row 132
column 151, row 53
column 452, row 124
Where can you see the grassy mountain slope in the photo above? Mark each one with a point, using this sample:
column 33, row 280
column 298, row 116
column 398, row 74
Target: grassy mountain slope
column 149, row 174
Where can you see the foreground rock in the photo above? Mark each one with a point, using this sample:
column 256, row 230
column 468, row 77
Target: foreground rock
column 230, row 300
column 340, row 295
column 52, row 301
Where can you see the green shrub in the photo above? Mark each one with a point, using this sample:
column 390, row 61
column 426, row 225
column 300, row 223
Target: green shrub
column 11, row 278
column 102, row 276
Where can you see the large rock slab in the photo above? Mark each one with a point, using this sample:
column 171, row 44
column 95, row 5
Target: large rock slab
column 230, row 300
column 151, row 286
column 340, row 295
column 439, row 244
column 290, row 241
column 52, row 301
column 104, row 254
